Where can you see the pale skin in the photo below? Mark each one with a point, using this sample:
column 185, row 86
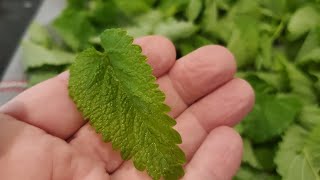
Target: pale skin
column 44, row 137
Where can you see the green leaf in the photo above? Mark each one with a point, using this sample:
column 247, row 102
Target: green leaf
column 274, row 8
column 36, row 56
column 248, row 155
column 264, row 58
column 289, row 150
column 175, row 29
column 245, row 7
column 259, row 85
column 310, row 46
column 298, row 155
column 106, row 13
column 194, row 9
column 116, row 91
column 170, row 8
column 247, row 31
column 210, row 16
column 39, row 35
column 138, row 7
column 225, row 4
column 300, row 84
column 145, row 24
column 239, row 128
column 77, row 4
column 313, row 56
column 302, row 21
column 265, row 155
column 263, row 81
column 270, row 117
column 188, row 45
column 155, row 23
column 248, row 173
column 310, row 116
column 312, row 150
column 74, row 27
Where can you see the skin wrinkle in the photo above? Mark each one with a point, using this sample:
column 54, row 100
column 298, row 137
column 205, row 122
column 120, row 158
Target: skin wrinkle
column 191, row 68
column 177, row 98
column 190, row 150
column 177, row 105
column 178, row 87
column 241, row 103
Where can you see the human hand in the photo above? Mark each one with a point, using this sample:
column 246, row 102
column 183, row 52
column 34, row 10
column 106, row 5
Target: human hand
column 45, row 138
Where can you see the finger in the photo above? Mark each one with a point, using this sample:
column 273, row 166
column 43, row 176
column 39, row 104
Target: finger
column 195, row 75
column 223, row 107
column 219, row 156
column 194, row 130
column 48, row 106
column 160, row 52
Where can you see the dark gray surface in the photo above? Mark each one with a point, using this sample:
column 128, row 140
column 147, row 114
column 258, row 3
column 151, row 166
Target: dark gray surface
column 15, row 15
column 14, row 76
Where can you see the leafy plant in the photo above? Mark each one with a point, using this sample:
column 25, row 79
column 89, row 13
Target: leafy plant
column 276, row 44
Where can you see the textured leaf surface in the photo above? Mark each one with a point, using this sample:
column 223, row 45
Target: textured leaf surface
column 271, row 115
column 116, row 91
column 298, row 156
column 310, row 116
column 246, row 30
column 302, row 21
column 300, row 84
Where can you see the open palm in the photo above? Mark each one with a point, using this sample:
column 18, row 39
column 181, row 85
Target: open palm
column 45, row 138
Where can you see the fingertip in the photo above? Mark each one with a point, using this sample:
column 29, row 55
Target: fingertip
column 64, row 76
column 218, row 157
column 160, row 52
column 215, row 55
column 224, row 53
column 202, row 71
column 248, row 93
column 229, row 135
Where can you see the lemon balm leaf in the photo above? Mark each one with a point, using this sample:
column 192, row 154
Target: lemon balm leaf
column 116, row 92
column 298, row 155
